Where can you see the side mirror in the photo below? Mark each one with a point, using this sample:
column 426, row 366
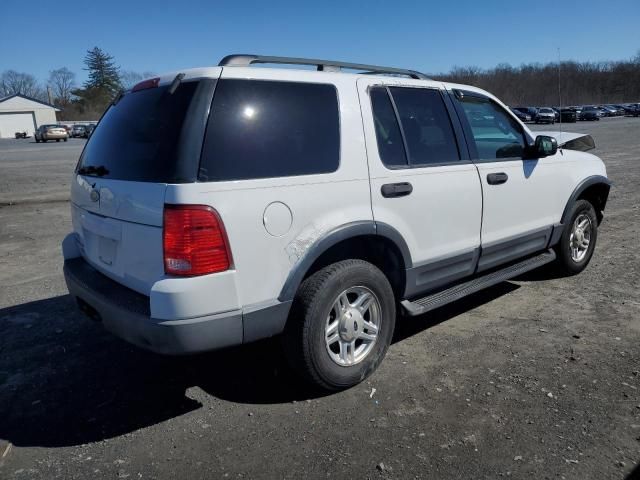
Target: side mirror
column 544, row 146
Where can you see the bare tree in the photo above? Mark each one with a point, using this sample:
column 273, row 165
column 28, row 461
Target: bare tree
column 537, row 84
column 12, row 82
column 62, row 82
column 129, row 78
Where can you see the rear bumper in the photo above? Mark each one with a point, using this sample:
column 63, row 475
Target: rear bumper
column 126, row 314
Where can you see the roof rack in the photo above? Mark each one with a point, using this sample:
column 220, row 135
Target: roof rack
column 322, row 65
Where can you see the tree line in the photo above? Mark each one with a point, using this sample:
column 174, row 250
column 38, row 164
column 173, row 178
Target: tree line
column 77, row 102
column 573, row 83
column 535, row 84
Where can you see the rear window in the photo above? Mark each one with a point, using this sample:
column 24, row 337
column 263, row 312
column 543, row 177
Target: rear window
column 138, row 138
column 264, row 129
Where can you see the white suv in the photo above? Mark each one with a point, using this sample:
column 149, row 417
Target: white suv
column 219, row 206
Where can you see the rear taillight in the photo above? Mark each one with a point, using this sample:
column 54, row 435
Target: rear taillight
column 195, row 241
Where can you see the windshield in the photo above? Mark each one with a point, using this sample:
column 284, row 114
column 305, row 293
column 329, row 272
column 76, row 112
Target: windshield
column 139, row 137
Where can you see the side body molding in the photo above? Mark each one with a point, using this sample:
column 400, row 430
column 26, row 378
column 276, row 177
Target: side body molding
column 331, row 238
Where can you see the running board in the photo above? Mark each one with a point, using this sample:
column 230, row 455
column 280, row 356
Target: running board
column 451, row 294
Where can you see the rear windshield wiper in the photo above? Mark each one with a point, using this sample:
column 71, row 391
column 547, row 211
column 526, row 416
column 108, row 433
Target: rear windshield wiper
column 175, row 84
column 98, row 171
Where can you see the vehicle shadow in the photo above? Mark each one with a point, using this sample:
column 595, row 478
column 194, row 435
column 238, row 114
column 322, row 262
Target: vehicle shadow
column 634, row 474
column 65, row 381
column 409, row 326
column 528, row 166
column 547, row 272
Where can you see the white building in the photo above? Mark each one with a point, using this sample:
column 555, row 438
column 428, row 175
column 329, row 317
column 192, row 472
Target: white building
column 20, row 113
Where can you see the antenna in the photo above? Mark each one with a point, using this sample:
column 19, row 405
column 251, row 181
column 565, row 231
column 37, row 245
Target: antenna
column 559, row 95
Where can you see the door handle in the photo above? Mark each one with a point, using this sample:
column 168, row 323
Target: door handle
column 391, row 190
column 497, row 178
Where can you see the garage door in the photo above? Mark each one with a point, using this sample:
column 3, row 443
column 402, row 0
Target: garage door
column 10, row 123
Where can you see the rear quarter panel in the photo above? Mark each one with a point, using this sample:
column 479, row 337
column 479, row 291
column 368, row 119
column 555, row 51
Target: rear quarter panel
column 318, row 203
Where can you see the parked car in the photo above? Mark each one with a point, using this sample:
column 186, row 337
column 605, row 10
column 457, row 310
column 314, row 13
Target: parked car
column 568, row 115
column 590, row 112
column 78, row 131
column 556, row 112
column 633, row 109
column 578, row 111
column 531, row 111
column 89, row 130
column 67, row 128
column 524, row 117
column 613, row 110
column 546, row 115
column 298, row 214
column 607, row 111
column 45, row 133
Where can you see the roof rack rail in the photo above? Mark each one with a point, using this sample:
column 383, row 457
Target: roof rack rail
column 322, row 65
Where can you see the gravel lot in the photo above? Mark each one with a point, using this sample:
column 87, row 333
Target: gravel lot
column 534, row 378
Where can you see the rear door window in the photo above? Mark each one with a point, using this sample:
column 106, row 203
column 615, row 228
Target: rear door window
column 264, row 129
column 388, row 135
column 413, row 128
column 139, row 138
column 426, row 125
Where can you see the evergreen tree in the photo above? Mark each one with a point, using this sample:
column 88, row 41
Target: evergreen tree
column 103, row 72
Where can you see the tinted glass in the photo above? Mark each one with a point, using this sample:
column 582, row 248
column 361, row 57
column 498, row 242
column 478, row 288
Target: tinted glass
column 496, row 133
column 426, row 126
column 390, row 146
column 261, row 129
column 138, row 138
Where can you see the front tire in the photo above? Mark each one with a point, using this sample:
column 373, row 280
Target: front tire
column 578, row 240
column 341, row 324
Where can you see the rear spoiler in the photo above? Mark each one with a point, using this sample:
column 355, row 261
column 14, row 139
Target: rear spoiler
column 581, row 142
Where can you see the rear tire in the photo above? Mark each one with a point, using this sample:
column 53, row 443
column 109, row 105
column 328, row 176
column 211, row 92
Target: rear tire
column 341, row 324
column 578, row 240
column 57, row 139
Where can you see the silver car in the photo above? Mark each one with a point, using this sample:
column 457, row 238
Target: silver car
column 50, row 132
column 546, row 115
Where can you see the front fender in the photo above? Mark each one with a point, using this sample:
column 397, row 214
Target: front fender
column 580, row 189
